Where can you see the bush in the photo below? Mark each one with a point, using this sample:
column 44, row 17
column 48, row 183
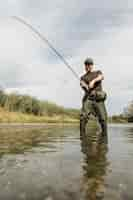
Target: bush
column 30, row 105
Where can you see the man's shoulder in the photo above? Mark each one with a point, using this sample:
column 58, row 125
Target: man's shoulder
column 93, row 73
column 83, row 76
column 97, row 72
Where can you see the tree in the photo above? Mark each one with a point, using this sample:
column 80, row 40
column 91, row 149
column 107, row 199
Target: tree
column 128, row 112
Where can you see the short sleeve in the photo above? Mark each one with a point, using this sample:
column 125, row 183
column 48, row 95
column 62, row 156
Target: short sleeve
column 99, row 72
column 82, row 78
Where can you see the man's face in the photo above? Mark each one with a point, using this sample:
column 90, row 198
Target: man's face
column 88, row 68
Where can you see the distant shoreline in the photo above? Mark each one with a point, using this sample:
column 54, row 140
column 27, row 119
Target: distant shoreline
column 7, row 117
column 35, row 125
column 19, row 118
column 43, row 124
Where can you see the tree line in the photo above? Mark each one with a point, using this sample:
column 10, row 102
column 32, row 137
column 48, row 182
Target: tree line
column 30, row 105
column 126, row 116
column 128, row 112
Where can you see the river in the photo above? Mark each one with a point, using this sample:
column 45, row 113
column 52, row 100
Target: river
column 51, row 162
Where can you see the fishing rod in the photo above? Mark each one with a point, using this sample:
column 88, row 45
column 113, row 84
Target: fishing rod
column 44, row 39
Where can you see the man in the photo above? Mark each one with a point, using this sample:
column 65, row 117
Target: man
column 93, row 100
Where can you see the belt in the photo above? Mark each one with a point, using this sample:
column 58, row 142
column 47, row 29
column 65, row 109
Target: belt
column 92, row 98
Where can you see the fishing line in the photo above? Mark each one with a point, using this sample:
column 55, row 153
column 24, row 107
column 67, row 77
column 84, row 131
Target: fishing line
column 44, row 39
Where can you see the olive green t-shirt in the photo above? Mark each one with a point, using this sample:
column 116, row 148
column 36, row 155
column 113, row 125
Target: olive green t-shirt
column 89, row 76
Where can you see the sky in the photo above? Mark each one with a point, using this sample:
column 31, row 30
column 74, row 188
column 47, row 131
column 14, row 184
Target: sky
column 78, row 29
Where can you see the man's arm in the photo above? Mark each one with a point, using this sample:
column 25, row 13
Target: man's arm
column 99, row 77
column 83, row 85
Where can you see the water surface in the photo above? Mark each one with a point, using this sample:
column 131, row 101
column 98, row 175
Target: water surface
column 52, row 163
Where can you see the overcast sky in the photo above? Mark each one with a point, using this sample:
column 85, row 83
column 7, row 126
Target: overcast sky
column 99, row 29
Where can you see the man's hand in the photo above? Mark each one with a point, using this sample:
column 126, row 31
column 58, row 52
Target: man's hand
column 83, row 85
column 91, row 84
column 100, row 77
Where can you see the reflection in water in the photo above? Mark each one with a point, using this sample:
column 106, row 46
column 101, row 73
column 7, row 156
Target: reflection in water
column 38, row 163
column 21, row 139
column 95, row 165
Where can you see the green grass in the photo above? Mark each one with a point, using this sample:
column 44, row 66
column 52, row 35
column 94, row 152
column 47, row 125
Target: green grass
column 18, row 117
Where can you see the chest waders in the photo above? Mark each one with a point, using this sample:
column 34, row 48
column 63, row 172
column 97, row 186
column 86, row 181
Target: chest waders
column 91, row 107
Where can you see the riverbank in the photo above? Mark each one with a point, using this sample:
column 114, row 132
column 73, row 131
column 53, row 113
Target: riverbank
column 17, row 117
column 7, row 117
